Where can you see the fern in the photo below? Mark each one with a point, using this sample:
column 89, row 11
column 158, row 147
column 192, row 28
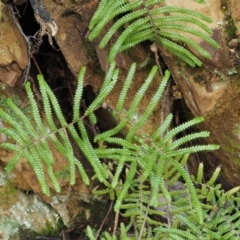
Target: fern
column 162, row 25
column 34, row 139
column 152, row 164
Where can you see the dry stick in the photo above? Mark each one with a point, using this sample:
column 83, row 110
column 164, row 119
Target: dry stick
column 115, row 223
column 104, row 220
column 36, row 64
column 145, row 217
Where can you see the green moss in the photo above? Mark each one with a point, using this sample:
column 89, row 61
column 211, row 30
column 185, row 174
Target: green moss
column 233, row 149
column 230, row 29
column 48, row 231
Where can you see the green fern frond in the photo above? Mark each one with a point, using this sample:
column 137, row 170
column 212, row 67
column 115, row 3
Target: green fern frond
column 126, row 86
column 144, row 22
column 154, row 101
column 133, row 107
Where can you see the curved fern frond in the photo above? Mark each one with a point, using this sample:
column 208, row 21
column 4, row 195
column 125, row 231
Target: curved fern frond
column 158, row 24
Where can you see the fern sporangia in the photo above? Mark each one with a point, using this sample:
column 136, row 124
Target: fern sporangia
column 167, row 26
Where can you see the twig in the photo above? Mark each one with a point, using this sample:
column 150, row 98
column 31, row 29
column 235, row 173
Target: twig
column 36, row 64
column 104, row 220
column 115, row 223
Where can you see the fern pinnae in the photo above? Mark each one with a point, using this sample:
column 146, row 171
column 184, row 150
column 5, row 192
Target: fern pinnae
column 151, row 106
column 109, row 75
column 47, row 106
column 155, row 186
column 147, row 169
column 178, row 232
column 36, row 164
column 122, row 142
column 179, row 51
column 159, row 172
column 188, row 61
column 10, row 133
column 103, row 93
column 115, row 48
column 137, row 38
column 78, row 95
column 214, row 176
column 191, row 31
column 98, row 13
column 118, row 171
column 119, row 23
column 104, row 153
column 94, row 161
column 53, row 101
column 162, row 129
column 188, row 138
column 18, row 134
column 10, row 147
column 92, row 118
column 171, row 173
column 192, row 190
column 83, row 174
column 140, row 93
column 132, row 109
column 90, row 233
column 24, row 120
column 126, row 185
column 173, row 19
column 188, row 41
column 110, row 12
column 13, row 162
column 125, row 88
column 88, row 146
column 71, row 166
column 34, row 108
column 180, row 128
column 44, row 152
column 171, row 9
column 200, row 173
column 187, row 223
column 53, row 180
column 195, row 149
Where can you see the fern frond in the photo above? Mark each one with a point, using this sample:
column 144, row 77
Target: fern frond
column 132, row 109
column 126, row 86
column 183, row 18
column 214, row 177
column 180, row 51
column 179, row 129
column 126, row 33
column 126, row 185
column 78, row 95
column 154, row 100
column 149, row 23
column 188, row 138
column 188, row 41
column 181, row 233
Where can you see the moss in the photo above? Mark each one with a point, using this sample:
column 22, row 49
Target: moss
column 48, row 231
column 230, row 29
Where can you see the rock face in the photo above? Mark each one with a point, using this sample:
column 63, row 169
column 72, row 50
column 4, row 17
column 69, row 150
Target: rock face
column 213, row 89
column 14, row 56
